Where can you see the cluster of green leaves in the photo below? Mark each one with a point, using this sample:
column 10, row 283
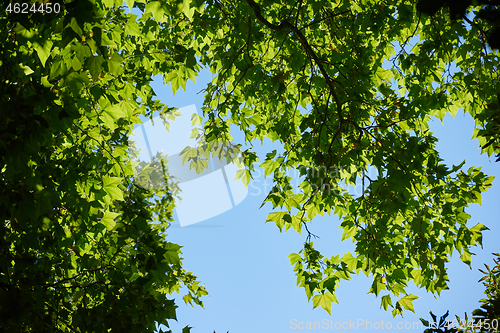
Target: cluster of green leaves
column 323, row 79
column 489, row 134
column 490, row 306
column 79, row 251
column 458, row 9
column 486, row 318
column 487, row 23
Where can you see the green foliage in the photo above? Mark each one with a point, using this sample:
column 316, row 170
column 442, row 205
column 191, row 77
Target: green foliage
column 79, row 251
column 324, row 80
column 485, row 319
column 490, row 306
column 457, row 9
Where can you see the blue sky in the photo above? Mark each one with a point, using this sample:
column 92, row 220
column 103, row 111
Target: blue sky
column 243, row 263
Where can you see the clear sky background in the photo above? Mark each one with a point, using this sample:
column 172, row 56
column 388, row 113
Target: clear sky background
column 242, row 261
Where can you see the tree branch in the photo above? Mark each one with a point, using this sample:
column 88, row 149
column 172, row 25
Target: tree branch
column 310, row 52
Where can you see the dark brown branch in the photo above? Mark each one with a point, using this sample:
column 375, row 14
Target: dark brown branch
column 310, row 52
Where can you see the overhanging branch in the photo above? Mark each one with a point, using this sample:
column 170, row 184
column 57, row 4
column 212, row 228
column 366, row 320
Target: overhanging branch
column 310, row 52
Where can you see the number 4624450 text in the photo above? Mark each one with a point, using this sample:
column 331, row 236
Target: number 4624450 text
column 26, row 8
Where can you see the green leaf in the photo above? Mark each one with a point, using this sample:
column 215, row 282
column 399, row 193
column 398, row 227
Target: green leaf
column 130, row 4
column 349, row 232
column 279, row 218
column 324, row 300
column 294, row 257
column 351, row 262
column 114, row 64
column 109, row 219
column 94, row 65
column 26, row 69
column 377, row 286
column 112, row 3
column 172, row 254
column 466, row 257
column 244, row 175
column 57, row 68
column 407, row 302
column 455, row 168
column 477, row 232
column 132, row 28
column 73, row 24
column 269, row 167
column 294, row 201
column 43, row 50
column 176, row 80
column 386, row 302
column 110, row 186
column 156, row 9
column 185, row 8
column 75, row 81
column 111, row 114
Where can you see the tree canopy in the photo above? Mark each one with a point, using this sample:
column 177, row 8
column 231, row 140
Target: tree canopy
column 343, row 86
column 485, row 318
column 79, row 250
column 324, row 79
